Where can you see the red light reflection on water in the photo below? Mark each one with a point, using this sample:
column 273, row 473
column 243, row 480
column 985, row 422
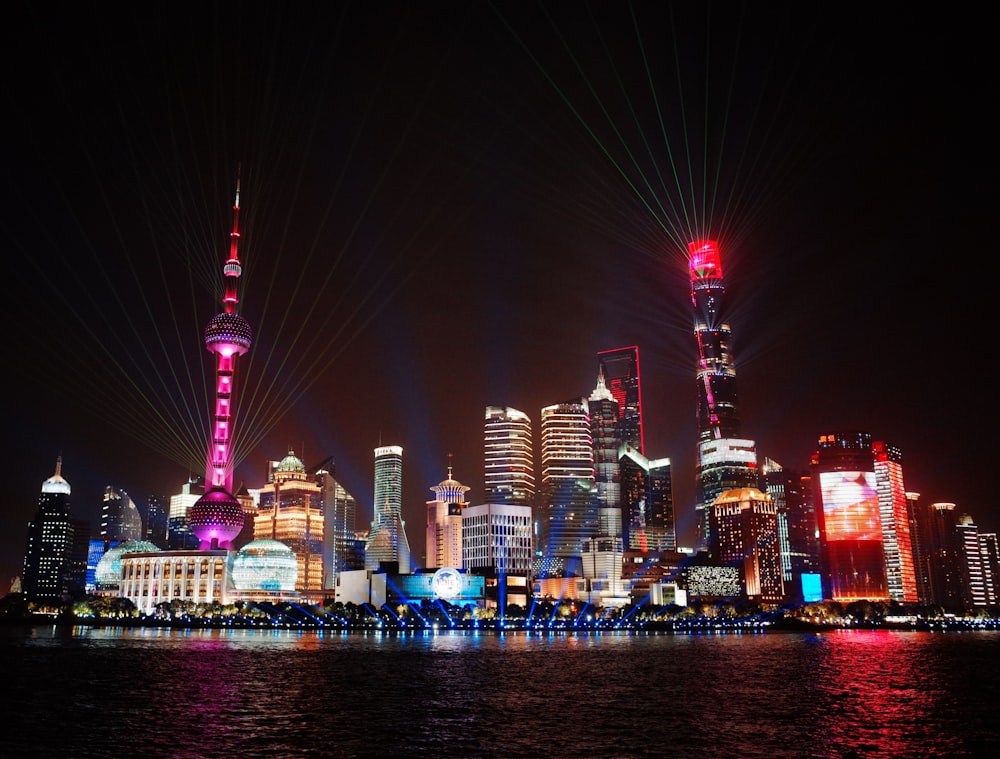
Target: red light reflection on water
column 878, row 693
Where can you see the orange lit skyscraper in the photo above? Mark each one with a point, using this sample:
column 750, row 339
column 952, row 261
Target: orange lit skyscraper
column 896, row 540
column 849, row 517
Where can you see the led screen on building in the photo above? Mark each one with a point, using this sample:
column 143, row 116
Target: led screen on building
column 850, row 506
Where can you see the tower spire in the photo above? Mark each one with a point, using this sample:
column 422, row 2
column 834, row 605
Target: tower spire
column 217, row 517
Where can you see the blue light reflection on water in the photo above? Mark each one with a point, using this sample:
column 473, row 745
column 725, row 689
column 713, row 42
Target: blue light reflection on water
column 151, row 692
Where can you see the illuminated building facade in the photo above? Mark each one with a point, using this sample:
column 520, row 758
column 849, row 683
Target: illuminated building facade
column 155, row 521
column 647, row 502
column 897, row 543
column 745, row 535
column 974, row 592
column 444, row 524
column 339, row 526
column 509, row 457
column 387, row 537
column 120, row 518
column 798, row 531
column 497, row 544
column 179, row 535
column 723, row 464
column 568, row 513
column 990, row 550
column 55, row 557
column 718, row 421
column 849, row 518
column 620, row 369
column 290, row 511
column 605, row 431
column 148, row 578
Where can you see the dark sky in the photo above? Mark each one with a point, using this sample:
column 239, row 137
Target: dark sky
column 451, row 205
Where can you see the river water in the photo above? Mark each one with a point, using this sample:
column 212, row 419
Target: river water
column 147, row 692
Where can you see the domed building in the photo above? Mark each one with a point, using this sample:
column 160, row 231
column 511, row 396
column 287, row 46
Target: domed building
column 108, row 574
column 265, row 570
column 290, row 510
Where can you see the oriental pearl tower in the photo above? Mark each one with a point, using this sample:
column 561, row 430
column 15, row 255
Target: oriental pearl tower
column 217, row 517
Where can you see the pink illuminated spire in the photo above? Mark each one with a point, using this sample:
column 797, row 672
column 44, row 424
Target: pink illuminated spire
column 217, row 517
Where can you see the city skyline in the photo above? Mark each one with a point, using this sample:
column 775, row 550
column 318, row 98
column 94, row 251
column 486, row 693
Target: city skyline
column 443, row 221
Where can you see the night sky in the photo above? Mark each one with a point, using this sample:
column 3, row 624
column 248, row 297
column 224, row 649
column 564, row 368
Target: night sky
column 446, row 206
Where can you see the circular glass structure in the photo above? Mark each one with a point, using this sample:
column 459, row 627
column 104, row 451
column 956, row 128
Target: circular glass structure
column 108, row 573
column 265, row 565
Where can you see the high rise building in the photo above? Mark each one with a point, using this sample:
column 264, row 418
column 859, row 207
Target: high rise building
column 605, row 431
column 974, row 591
column 387, row 541
column 444, row 524
column 620, row 369
column 497, row 543
column 509, row 456
column 745, row 535
column 897, row 543
column 849, row 518
column 798, row 535
column 339, row 526
column 990, row 551
column 120, row 518
column 943, row 556
column 725, row 460
column 217, row 517
column 155, row 530
column 179, row 535
column 290, row 511
column 568, row 512
column 647, row 502
column 55, row 558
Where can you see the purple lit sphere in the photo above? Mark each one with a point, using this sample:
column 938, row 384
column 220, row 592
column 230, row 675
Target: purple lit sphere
column 216, row 518
column 228, row 331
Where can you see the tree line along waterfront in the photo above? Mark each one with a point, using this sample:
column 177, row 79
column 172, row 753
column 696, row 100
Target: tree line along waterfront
column 546, row 614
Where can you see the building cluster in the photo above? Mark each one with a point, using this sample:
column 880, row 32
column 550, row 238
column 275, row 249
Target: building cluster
column 593, row 522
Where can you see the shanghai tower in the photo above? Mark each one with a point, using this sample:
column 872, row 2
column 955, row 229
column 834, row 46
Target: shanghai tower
column 217, row 517
column 725, row 460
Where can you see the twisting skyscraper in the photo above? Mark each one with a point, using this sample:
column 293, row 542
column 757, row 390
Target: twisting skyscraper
column 387, row 537
column 217, row 517
column 725, row 460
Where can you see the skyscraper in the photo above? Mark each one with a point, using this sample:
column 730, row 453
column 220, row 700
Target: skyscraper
column 444, row 524
column 718, row 420
column 793, row 499
column 509, row 457
column 896, row 539
column 339, row 520
column 849, row 518
column 54, row 567
column 647, row 502
column 568, row 513
column 745, row 535
column 120, row 518
column 291, row 512
column 217, row 517
column 620, row 369
column 605, row 430
column 387, row 537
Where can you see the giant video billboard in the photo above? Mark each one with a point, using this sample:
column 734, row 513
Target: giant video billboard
column 850, row 506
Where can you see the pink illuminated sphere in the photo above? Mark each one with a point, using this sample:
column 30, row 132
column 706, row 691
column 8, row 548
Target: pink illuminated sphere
column 216, row 519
